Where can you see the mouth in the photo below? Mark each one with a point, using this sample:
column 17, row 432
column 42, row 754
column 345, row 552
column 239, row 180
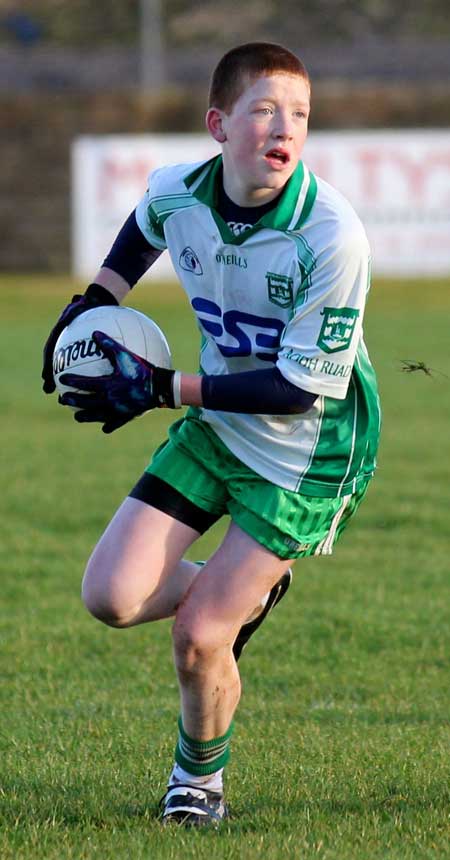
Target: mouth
column 277, row 157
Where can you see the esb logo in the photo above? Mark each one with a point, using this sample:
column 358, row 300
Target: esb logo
column 248, row 331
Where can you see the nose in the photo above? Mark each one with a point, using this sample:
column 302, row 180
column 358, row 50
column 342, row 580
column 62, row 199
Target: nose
column 282, row 127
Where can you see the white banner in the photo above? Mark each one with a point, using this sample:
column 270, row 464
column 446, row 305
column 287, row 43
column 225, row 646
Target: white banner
column 398, row 182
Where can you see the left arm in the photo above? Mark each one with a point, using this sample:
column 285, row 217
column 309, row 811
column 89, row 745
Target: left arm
column 136, row 385
column 262, row 392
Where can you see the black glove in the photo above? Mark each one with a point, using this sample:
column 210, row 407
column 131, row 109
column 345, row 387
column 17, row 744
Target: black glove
column 94, row 297
column 134, row 387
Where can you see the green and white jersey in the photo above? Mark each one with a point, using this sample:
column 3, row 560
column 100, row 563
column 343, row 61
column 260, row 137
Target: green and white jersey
column 288, row 291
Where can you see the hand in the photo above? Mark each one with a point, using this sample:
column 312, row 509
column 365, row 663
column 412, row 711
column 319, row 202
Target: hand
column 134, row 387
column 95, row 296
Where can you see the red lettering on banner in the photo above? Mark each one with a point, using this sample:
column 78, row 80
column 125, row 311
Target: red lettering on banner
column 417, row 173
column 122, row 172
column 369, row 161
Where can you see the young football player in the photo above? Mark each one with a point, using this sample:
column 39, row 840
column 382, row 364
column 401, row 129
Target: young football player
column 282, row 429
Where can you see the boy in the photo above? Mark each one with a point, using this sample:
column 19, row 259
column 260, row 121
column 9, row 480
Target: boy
column 283, row 423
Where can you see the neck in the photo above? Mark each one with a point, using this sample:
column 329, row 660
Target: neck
column 249, row 197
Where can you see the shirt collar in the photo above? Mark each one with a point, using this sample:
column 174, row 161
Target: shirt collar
column 291, row 211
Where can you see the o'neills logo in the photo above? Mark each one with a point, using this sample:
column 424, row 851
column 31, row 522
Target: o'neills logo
column 68, row 355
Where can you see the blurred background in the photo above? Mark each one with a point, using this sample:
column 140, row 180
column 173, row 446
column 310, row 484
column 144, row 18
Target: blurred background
column 71, row 68
column 93, row 93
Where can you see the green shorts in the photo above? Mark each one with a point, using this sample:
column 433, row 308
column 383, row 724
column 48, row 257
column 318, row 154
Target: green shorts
column 203, row 470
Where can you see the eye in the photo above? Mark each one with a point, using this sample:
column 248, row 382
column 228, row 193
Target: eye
column 265, row 111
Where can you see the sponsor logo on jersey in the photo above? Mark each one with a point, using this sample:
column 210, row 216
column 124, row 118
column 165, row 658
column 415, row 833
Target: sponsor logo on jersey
column 238, row 227
column 322, row 365
column 231, row 260
column 334, row 369
column 237, row 333
column 190, row 262
column 337, row 328
column 280, row 289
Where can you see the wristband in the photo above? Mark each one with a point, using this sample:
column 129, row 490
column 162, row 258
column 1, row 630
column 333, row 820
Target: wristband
column 166, row 391
column 176, row 390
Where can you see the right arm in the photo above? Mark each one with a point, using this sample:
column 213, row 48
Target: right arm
column 129, row 258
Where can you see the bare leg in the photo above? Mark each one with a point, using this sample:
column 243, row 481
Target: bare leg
column 136, row 572
column 220, row 599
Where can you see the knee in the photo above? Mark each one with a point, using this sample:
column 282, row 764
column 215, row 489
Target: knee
column 104, row 603
column 196, row 646
column 103, row 609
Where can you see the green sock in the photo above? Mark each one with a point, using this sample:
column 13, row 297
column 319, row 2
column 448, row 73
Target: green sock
column 202, row 757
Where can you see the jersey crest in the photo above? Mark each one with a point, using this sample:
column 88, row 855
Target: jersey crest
column 337, row 328
column 280, row 289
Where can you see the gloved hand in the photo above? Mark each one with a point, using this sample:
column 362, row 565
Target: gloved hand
column 95, row 296
column 134, row 387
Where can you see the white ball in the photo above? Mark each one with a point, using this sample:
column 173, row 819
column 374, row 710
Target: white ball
column 76, row 352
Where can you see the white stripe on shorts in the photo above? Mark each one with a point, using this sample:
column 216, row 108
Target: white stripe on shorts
column 325, row 546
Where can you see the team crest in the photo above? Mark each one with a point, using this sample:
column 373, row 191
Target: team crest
column 280, row 288
column 190, row 262
column 337, row 328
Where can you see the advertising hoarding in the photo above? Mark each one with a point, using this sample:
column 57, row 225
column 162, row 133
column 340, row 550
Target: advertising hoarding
column 397, row 181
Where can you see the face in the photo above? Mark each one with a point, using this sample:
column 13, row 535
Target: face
column 262, row 137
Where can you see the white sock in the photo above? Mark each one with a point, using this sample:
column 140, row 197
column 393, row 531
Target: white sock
column 212, row 781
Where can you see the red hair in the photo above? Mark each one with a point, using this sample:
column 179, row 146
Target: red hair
column 244, row 64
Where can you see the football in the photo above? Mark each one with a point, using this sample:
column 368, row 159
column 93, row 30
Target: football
column 75, row 350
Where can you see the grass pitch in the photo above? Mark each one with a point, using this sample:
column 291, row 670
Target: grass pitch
column 341, row 748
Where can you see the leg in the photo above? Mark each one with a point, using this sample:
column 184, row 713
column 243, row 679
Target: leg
column 220, row 599
column 136, row 573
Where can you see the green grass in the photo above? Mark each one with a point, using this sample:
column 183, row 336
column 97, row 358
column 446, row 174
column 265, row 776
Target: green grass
column 341, row 748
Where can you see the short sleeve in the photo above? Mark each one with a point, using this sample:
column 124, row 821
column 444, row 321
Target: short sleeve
column 147, row 219
column 319, row 344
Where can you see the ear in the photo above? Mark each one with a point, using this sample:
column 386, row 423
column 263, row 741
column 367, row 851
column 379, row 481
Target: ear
column 214, row 124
